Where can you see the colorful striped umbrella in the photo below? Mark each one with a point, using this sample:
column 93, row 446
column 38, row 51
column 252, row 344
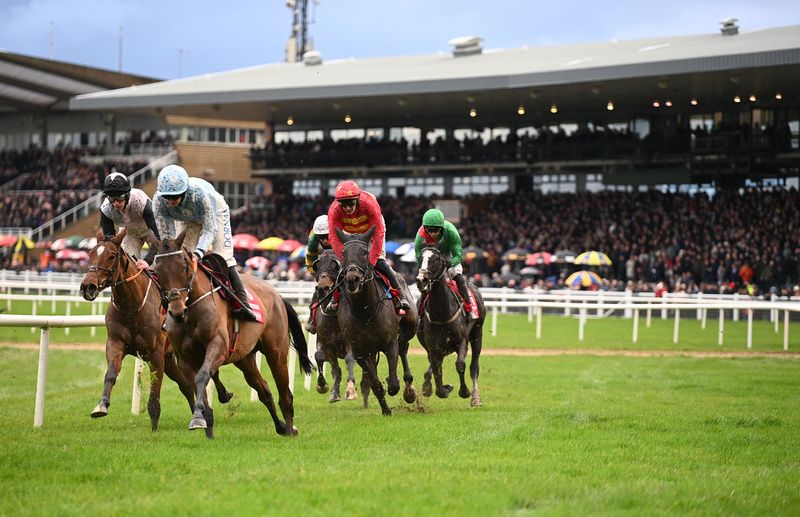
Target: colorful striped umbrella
column 584, row 279
column 269, row 244
column 592, row 258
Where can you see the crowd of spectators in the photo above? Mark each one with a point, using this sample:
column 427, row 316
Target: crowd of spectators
column 736, row 240
column 544, row 143
column 45, row 183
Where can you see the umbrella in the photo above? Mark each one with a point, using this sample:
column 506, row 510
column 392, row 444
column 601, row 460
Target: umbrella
column 289, row 246
column 88, row 243
column 541, row 257
column 565, row 256
column 515, row 254
column 7, row 240
column 411, row 256
column 245, row 241
column 269, row 244
column 67, row 254
column 74, row 241
column 530, row 271
column 23, row 242
column 584, row 279
column 391, row 246
column 592, row 258
column 299, row 253
column 257, row 262
column 58, row 244
column 470, row 253
column 404, row 249
column 43, row 244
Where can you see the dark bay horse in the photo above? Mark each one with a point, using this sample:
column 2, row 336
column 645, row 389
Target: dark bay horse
column 134, row 323
column 369, row 323
column 331, row 346
column 205, row 335
column 444, row 329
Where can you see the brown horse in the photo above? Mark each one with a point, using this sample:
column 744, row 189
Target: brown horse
column 331, row 345
column 134, row 323
column 205, row 335
column 369, row 322
column 444, row 329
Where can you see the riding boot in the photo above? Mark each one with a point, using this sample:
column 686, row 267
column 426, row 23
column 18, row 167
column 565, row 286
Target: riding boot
column 461, row 282
column 241, row 293
column 311, row 325
column 402, row 303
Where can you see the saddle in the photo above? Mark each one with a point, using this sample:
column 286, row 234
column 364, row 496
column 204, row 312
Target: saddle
column 454, row 287
column 391, row 292
column 217, row 270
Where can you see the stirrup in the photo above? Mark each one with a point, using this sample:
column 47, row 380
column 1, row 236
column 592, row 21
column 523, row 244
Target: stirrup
column 468, row 310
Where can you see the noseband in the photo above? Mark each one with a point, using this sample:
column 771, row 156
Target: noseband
column 434, row 278
column 174, row 293
column 363, row 272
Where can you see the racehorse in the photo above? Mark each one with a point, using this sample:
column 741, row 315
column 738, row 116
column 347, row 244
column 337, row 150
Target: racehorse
column 205, row 334
column 444, row 329
column 134, row 323
column 330, row 344
column 369, row 323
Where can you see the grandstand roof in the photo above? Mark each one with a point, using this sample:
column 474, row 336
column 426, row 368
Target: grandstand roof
column 32, row 84
column 415, row 90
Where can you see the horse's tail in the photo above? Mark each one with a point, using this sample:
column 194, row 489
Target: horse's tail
column 298, row 338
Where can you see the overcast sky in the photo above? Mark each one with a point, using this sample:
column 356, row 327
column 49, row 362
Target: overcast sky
column 170, row 38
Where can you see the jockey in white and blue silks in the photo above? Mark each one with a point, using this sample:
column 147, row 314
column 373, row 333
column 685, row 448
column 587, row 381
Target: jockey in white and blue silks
column 194, row 205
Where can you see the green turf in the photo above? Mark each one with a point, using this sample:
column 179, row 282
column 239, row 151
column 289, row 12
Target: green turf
column 514, row 331
column 567, row 435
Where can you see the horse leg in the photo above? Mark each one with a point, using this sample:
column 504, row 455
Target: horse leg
column 322, row 384
column 254, row 379
column 364, row 387
column 115, row 351
column 223, row 395
column 442, row 390
column 212, row 362
column 461, row 367
column 476, row 342
column 427, row 389
column 174, row 372
column 156, row 365
column 392, row 382
column 280, row 372
column 371, row 372
column 409, row 393
column 351, row 393
column 336, row 371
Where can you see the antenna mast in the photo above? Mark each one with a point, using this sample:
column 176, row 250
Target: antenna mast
column 298, row 43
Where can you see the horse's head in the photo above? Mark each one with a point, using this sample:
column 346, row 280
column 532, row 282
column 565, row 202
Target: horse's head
column 326, row 270
column 355, row 258
column 104, row 264
column 176, row 269
column 431, row 269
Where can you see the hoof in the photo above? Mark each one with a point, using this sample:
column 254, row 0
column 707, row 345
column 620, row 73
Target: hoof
column 386, row 412
column 475, row 402
column 392, row 389
column 444, row 392
column 427, row 389
column 99, row 411
column 463, row 392
column 334, row 398
column 323, row 388
column 198, row 422
column 409, row 395
column 224, row 398
column 351, row 393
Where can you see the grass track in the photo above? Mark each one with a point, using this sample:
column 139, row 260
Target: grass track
column 563, row 435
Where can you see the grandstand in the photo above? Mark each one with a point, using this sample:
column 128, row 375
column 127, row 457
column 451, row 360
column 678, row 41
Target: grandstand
column 620, row 136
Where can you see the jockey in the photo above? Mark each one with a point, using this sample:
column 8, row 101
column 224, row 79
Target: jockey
column 435, row 231
column 204, row 215
column 355, row 211
column 317, row 243
column 132, row 209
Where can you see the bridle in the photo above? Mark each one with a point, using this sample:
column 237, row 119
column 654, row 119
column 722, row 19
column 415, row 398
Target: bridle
column 434, row 278
column 94, row 268
column 365, row 275
column 336, row 279
column 189, row 266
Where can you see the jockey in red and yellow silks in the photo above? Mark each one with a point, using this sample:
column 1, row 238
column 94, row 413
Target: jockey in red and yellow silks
column 356, row 211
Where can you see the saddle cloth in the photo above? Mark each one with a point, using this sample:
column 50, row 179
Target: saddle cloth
column 454, row 287
column 219, row 276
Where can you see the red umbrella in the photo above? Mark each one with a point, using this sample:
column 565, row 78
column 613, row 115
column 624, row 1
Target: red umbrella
column 257, row 262
column 289, row 246
column 68, row 254
column 245, row 241
column 7, row 240
column 541, row 257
